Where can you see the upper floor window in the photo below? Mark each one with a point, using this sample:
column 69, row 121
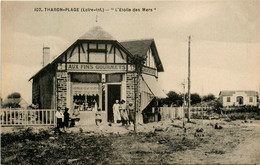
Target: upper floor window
column 96, row 53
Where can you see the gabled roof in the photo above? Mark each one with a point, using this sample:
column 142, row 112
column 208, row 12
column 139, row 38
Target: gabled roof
column 96, row 33
column 140, row 47
column 135, row 47
column 230, row 93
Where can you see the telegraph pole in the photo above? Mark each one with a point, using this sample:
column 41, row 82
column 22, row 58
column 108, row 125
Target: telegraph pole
column 183, row 105
column 183, row 84
column 189, row 80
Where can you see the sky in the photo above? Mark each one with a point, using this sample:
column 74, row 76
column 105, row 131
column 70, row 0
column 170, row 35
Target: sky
column 225, row 39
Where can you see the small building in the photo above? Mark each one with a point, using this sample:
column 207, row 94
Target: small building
column 95, row 71
column 238, row 98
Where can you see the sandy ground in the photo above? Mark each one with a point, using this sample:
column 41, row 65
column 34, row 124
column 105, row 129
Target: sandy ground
column 248, row 151
column 166, row 142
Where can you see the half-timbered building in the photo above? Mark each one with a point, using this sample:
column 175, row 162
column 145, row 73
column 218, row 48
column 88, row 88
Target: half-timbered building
column 95, row 71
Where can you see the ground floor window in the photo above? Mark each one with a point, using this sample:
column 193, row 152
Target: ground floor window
column 86, row 102
column 228, row 99
column 250, row 99
column 86, row 96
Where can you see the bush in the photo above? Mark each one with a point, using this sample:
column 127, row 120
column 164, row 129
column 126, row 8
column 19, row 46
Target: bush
column 24, row 135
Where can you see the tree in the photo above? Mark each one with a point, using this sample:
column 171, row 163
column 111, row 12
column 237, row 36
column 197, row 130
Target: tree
column 174, row 98
column 209, row 97
column 14, row 95
column 138, row 62
column 195, row 98
column 13, row 100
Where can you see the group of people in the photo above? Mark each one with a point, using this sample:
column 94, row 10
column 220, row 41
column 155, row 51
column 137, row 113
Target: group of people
column 62, row 119
column 123, row 113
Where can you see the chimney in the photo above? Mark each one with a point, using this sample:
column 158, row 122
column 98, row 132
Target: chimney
column 46, row 56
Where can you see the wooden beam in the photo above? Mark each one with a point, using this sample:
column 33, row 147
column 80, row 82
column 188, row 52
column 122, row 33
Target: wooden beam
column 79, row 51
column 88, row 52
column 120, row 52
column 110, row 51
column 72, row 50
column 81, row 45
column 106, row 53
column 66, row 57
column 97, row 50
column 114, row 54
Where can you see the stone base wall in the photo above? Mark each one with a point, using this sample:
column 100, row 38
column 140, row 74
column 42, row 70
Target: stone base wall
column 130, row 94
column 62, row 78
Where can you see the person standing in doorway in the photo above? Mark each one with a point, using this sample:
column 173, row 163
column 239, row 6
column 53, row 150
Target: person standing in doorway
column 59, row 117
column 116, row 112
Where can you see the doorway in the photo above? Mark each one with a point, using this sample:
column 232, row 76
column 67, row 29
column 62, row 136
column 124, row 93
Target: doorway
column 240, row 100
column 113, row 94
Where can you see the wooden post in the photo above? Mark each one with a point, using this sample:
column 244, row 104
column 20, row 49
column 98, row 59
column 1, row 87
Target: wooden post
column 189, row 80
column 135, row 91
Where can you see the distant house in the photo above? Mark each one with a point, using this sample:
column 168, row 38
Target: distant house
column 238, row 98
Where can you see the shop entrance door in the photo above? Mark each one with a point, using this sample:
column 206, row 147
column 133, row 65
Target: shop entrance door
column 113, row 94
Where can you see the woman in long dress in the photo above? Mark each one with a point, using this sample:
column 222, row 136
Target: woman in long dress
column 124, row 114
column 116, row 111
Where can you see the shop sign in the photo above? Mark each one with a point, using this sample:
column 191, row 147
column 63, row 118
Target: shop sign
column 96, row 67
column 149, row 71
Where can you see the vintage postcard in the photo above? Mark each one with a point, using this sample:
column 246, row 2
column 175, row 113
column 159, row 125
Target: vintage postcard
column 130, row 82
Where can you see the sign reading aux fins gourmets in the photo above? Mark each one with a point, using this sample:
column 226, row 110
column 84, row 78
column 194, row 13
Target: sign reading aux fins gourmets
column 98, row 67
column 102, row 67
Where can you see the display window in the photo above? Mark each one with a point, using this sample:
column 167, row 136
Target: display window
column 85, row 96
column 86, row 102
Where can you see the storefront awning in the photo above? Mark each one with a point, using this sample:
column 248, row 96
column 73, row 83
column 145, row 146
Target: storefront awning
column 154, row 86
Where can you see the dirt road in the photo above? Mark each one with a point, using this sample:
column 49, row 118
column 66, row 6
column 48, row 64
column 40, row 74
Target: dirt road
column 248, row 152
column 237, row 143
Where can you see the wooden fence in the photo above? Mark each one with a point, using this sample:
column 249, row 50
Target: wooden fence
column 171, row 112
column 23, row 117
column 178, row 112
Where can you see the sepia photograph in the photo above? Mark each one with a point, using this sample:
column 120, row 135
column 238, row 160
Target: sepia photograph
column 130, row 82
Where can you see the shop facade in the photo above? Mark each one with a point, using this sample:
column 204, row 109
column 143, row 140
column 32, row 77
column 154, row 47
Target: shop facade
column 95, row 71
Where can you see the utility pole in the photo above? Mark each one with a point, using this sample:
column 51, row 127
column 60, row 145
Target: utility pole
column 183, row 84
column 135, row 111
column 189, row 80
column 183, row 105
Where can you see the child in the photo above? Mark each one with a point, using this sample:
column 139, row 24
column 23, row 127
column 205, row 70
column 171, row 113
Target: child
column 59, row 117
column 131, row 113
column 66, row 118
